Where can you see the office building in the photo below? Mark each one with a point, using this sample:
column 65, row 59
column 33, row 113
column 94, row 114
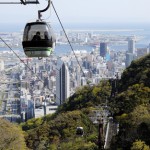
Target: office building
column 129, row 58
column 62, row 82
column 103, row 49
column 131, row 46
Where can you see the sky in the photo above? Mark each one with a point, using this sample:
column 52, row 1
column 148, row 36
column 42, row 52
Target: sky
column 79, row 12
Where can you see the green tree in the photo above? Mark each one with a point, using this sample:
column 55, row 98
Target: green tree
column 140, row 145
column 138, row 72
column 11, row 136
column 135, row 95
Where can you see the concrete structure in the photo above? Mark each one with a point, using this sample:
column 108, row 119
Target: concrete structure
column 1, row 65
column 131, row 46
column 39, row 112
column 129, row 58
column 103, row 49
column 62, row 82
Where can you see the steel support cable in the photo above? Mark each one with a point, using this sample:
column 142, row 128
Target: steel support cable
column 25, row 64
column 10, row 3
column 67, row 38
column 21, row 2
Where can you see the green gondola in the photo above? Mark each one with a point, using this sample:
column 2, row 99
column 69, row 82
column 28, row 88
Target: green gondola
column 38, row 39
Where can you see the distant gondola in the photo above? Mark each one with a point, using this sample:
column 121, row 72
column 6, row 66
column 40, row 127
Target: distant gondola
column 38, row 39
column 79, row 131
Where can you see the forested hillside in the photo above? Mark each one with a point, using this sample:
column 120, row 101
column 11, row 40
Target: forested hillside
column 132, row 107
column 137, row 73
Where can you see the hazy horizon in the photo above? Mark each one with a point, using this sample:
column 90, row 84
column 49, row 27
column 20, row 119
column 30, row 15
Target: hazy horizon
column 17, row 27
column 83, row 12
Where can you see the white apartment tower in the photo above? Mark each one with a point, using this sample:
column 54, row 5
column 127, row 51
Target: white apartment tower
column 2, row 65
column 62, row 82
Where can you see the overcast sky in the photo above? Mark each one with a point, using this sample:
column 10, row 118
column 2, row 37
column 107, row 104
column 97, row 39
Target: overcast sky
column 80, row 11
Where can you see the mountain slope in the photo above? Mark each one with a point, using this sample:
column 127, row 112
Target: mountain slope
column 138, row 72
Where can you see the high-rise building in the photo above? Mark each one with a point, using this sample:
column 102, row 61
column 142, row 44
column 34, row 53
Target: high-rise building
column 62, row 82
column 83, row 81
column 103, row 49
column 1, row 65
column 129, row 58
column 149, row 48
column 131, row 46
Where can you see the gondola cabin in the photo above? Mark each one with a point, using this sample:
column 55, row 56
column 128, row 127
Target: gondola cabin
column 38, row 39
column 79, row 131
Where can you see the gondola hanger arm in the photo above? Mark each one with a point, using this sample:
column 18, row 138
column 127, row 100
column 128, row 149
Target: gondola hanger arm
column 22, row 2
column 43, row 10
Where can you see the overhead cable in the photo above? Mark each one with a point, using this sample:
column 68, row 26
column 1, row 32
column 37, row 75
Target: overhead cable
column 67, row 39
column 25, row 64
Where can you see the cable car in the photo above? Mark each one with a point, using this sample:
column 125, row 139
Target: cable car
column 79, row 131
column 38, row 39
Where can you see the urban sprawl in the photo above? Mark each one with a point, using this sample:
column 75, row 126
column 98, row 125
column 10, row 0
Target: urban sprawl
column 30, row 87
